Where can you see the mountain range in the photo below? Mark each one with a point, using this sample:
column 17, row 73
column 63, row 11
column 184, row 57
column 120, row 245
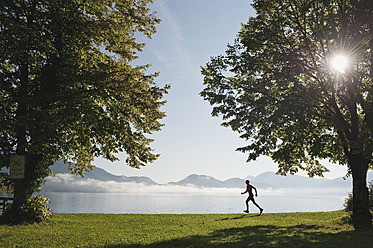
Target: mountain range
column 65, row 182
column 100, row 174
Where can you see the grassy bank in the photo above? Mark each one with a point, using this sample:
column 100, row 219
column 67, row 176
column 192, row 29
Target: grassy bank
column 326, row 229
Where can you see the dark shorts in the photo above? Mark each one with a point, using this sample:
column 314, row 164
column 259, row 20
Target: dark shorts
column 250, row 198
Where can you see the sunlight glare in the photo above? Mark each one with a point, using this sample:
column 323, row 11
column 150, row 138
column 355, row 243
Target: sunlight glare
column 339, row 63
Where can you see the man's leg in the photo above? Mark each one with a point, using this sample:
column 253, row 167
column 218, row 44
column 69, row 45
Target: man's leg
column 256, row 204
column 247, row 204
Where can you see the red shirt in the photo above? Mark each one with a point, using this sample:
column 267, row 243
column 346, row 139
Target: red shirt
column 249, row 189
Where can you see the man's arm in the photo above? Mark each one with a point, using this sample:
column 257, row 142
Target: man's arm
column 247, row 190
column 256, row 192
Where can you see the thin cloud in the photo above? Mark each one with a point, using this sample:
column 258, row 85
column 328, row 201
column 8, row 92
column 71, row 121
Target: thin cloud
column 173, row 52
column 69, row 183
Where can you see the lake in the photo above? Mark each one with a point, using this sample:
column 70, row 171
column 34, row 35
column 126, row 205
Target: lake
column 118, row 203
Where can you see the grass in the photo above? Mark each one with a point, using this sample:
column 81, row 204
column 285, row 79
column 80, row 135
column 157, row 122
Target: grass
column 324, row 229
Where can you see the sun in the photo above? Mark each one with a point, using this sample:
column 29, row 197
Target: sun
column 339, row 63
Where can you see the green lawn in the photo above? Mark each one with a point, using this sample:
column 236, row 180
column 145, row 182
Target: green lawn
column 325, row 229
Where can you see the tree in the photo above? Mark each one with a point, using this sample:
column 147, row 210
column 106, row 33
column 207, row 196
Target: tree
column 276, row 87
column 349, row 202
column 69, row 89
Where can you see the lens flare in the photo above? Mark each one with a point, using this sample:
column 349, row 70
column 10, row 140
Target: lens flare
column 339, row 63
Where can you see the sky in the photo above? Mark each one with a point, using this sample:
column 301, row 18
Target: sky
column 192, row 141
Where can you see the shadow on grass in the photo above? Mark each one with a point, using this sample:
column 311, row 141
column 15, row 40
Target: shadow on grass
column 267, row 236
column 241, row 217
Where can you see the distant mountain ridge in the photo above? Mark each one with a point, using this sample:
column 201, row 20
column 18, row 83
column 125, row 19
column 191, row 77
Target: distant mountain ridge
column 291, row 181
column 67, row 182
column 100, row 174
column 207, row 181
column 269, row 180
column 263, row 181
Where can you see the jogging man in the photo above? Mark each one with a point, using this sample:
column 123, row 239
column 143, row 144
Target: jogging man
column 249, row 189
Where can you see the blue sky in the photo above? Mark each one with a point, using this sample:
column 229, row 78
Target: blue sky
column 193, row 142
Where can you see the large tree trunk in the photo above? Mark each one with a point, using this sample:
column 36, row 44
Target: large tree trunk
column 25, row 187
column 21, row 195
column 23, row 190
column 361, row 215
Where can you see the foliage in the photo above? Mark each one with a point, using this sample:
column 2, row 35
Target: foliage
column 276, row 86
column 3, row 187
column 34, row 210
column 349, row 200
column 323, row 229
column 70, row 88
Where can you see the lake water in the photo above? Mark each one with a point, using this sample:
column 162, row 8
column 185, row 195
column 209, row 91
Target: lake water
column 185, row 204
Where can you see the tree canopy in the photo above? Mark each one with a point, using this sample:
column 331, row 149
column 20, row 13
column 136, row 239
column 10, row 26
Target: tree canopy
column 277, row 86
column 280, row 91
column 69, row 86
column 67, row 83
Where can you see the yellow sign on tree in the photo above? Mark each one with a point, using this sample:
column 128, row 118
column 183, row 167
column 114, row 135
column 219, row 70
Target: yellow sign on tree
column 17, row 166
